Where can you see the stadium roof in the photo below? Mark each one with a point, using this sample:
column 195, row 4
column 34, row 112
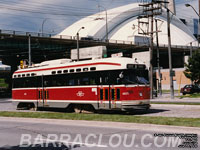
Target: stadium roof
column 123, row 25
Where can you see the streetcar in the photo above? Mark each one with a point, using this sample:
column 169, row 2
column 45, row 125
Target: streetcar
column 108, row 83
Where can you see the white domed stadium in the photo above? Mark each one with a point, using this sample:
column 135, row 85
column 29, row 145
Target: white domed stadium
column 122, row 25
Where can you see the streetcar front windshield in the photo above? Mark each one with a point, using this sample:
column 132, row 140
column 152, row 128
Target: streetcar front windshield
column 134, row 77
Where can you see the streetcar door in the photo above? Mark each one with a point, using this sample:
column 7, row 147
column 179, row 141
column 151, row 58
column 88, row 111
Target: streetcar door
column 104, row 102
column 114, row 97
column 109, row 97
column 109, row 94
column 43, row 93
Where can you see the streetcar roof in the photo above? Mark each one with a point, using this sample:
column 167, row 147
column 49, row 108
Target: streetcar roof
column 67, row 66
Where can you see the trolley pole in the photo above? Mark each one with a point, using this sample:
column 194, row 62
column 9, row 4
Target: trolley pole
column 29, row 49
column 171, row 72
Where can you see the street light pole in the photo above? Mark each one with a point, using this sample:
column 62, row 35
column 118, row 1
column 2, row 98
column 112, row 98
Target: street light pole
column 188, row 5
column 77, row 38
column 43, row 25
column 106, row 26
column 106, row 21
column 29, row 49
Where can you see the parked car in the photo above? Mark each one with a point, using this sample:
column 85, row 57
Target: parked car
column 190, row 89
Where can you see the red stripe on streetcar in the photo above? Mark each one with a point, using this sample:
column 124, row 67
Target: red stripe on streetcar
column 81, row 65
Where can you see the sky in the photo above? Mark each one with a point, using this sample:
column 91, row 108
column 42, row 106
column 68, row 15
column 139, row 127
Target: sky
column 56, row 15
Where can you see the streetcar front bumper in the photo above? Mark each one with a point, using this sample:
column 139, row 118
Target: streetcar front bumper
column 135, row 104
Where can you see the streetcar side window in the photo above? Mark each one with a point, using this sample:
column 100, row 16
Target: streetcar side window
column 86, row 78
column 47, row 82
column 55, row 80
column 71, row 70
column 85, row 81
column 71, row 82
column 93, row 81
column 78, row 70
column 59, row 71
column 24, row 82
column 93, row 68
column 89, row 79
column 65, row 71
column 85, row 69
column 54, row 83
column 53, row 72
column 33, row 74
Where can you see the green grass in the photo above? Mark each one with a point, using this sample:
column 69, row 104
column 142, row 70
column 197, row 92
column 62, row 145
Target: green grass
column 190, row 122
column 196, row 95
column 168, row 91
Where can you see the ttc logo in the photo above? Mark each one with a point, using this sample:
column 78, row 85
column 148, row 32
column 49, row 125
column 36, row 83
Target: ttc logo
column 80, row 94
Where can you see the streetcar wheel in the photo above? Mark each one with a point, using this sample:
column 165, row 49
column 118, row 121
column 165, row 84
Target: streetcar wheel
column 70, row 108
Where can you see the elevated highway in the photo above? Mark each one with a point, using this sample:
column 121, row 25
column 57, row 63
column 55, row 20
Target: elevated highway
column 14, row 47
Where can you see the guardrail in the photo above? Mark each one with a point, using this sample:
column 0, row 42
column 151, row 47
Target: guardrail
column 44, row 35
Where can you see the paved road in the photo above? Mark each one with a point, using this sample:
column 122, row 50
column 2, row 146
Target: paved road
column 169, row 110
column 47, row 134
column 165, row 98
column 187, row 111
column 6, row 105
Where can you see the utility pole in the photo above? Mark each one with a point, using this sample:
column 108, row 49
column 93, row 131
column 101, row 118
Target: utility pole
column 191, row 55
column 199, row 24
column 150, row 9
column 151, row 53
column 158, row 60
column 171, row 72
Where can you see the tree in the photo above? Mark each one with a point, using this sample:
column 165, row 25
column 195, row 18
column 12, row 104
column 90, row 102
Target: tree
column 192, row 70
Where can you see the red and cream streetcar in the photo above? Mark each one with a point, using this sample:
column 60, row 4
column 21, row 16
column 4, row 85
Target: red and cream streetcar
column 109, row 83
